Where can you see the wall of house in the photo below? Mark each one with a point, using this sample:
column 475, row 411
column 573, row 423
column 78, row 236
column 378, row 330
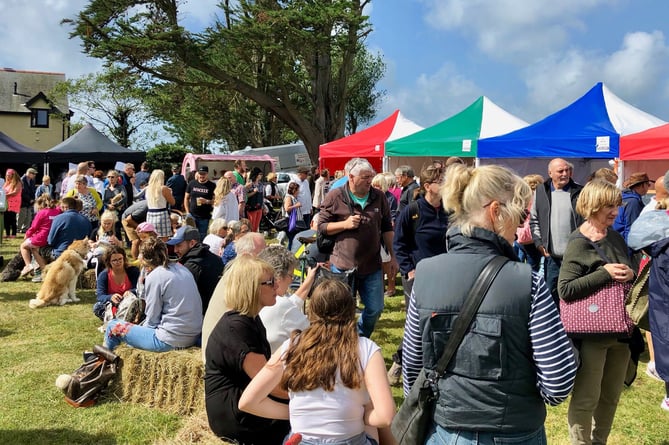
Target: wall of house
column 17, row 127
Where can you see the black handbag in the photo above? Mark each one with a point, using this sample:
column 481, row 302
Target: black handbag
column 88, row 381
column 347, row 277
column 412, row 422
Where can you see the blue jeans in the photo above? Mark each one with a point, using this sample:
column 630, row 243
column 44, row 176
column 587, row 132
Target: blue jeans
column 442, row 436
column 360, row 439
column 370, row 288
column 140, row 337
column 202, row 225
column 551, row 273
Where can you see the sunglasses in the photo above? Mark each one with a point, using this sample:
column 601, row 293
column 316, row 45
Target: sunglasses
column 269, row 282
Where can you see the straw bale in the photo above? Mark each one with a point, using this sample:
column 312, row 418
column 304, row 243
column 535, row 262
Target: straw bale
column 172, row 381
column 87, row 279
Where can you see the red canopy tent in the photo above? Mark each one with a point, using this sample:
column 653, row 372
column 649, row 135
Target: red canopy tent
column 367, row 143
column 646, row 151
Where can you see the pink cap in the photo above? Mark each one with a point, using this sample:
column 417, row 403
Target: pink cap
column 145, row 227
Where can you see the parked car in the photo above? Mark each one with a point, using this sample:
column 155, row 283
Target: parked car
column 283, row 178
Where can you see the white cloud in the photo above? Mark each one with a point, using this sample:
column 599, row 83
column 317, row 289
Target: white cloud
column 636, row 72
column 432, row 98
column 504, row 28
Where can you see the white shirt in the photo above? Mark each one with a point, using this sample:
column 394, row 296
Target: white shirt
column 228, row 208
column 335, row 415
column 304, row 196
column 214, row 242
column 282, row 319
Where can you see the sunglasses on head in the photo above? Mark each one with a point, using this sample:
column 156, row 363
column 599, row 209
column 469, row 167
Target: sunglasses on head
column 269, row 282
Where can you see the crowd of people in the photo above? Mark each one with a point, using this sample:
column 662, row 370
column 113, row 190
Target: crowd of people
column 276, row 366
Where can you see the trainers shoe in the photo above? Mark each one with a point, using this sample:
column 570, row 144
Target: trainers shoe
column 665, row 404
column 26, row 270
column 38, row 276
column 651, row 372
column 395, row 374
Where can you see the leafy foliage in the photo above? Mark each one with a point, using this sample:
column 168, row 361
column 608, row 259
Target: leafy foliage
column 163, row 155
column 292, row 59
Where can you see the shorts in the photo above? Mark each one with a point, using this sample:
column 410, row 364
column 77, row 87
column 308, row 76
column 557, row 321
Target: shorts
column 129, row 231
column 30, row 245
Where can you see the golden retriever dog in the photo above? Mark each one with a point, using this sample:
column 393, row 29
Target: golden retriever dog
column 61, row 276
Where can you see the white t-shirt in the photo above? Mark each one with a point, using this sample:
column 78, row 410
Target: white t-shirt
column 214, row 242
column 304, row 195
column 282, row 319
column 335, row 415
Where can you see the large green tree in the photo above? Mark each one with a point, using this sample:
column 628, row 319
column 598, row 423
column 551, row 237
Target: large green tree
column 293, row 58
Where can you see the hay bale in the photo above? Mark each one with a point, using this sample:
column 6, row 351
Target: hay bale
column 87, row 279
column 173, row 381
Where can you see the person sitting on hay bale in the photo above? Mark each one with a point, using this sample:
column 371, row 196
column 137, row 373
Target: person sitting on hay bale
column 173, row 306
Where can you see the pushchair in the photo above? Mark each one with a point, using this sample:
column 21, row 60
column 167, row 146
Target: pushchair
column 270, row 215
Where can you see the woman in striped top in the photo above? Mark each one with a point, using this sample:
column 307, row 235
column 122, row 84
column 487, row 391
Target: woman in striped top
column 516, row 356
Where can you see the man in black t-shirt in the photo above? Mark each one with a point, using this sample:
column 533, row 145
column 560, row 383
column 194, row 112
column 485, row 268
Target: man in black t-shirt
column 178, row 185
column 199, row 199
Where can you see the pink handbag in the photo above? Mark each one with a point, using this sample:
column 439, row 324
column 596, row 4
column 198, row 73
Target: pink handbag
column 601, row 313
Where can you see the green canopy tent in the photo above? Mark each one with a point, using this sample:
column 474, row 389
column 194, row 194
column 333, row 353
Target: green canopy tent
column 455, row 136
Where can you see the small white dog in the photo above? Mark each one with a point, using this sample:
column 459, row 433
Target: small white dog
column 61, row 279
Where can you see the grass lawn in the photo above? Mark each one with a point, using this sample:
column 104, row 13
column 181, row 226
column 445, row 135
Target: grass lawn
column 39, row 344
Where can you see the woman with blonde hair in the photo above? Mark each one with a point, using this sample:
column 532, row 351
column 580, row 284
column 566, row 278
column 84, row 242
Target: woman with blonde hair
column 596, row 255
column 225, row 201
column 158, row 196
column 516, row 356
column 236, row 350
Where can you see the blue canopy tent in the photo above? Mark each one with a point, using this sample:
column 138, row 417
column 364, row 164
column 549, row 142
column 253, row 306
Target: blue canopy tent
column 586, row 132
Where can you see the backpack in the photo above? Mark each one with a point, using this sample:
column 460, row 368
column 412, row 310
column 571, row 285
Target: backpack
column 83, row 387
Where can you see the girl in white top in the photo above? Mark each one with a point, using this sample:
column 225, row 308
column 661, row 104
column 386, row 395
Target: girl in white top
column 336, row 380
column 225, row 202
column 158, row 196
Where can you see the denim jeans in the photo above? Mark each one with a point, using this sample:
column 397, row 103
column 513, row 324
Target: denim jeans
column 140, row 337
column 442, row 436
column 370, row 288
column 551, row 273
column 360, row 439
column 202, row 225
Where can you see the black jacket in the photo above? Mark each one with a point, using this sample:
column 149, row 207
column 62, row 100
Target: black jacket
column 206, row 268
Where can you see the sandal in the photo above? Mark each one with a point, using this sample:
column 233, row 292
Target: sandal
column 26, row 270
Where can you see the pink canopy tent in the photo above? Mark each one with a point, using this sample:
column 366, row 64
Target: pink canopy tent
column 368, row 143
column 646, row 151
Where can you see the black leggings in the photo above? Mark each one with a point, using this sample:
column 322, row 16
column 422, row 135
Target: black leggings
column 10, row 223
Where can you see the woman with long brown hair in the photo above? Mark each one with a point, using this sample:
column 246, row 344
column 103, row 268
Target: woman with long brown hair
column 335, row 378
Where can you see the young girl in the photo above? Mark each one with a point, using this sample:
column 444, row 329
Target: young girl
column 335, row 379
column 104, row 236
column 38, row 232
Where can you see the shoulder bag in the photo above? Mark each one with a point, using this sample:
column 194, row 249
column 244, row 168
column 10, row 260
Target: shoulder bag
column 637, row 298
column 600, row 313
column 413, row 420
column 326, row 242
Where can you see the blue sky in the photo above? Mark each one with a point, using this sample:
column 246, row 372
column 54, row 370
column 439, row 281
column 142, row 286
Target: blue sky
column 531, row 57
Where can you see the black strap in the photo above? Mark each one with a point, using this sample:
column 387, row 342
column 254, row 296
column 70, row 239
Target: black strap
column 474, row 299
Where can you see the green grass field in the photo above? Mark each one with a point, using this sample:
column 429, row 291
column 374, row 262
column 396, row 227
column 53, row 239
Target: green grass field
column 38, row 345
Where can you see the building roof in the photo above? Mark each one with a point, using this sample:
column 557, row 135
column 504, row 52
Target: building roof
column 18, row 88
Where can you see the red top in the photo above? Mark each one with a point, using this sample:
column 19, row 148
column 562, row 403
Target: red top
column 114, row 288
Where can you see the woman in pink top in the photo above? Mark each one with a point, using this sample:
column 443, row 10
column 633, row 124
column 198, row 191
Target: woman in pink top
column 13, row 188
column 38, row 232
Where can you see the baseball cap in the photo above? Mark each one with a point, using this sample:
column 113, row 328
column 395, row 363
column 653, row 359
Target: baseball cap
column 184, row 233
column 203, row 169
column 145, row 227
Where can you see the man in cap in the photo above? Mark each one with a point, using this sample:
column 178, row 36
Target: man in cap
column 178, row 185
column 199, row 199
column 636, row 186
column 304, row 195
column 660, row 195
column 26, row 213
column 206, row 267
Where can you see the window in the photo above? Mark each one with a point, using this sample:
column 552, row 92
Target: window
column 39, row 118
